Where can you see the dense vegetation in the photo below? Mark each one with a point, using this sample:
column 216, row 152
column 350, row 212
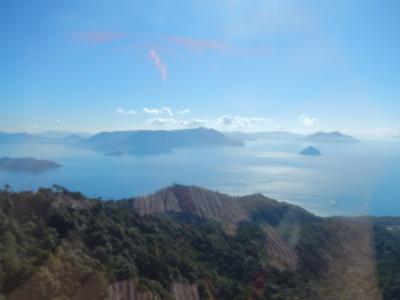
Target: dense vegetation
column 56, row 246
column 387, row 247
column 123, row 245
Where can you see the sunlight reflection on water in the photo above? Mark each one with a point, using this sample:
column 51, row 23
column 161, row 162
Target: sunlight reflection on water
column 347, row 179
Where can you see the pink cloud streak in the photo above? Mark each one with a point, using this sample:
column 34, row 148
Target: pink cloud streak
column 100, row 37
column 159, row 63
column 198, row 44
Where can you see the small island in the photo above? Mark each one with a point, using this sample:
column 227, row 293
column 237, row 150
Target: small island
column 310, row 151
column 26, row 164
column 156, row 142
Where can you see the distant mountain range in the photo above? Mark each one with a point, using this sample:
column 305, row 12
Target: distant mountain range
column 26, row 138
column 18, row 138
column 62, row 134
column 252, row 136
column 149, row 142
column 333, row 137
column 154, row 142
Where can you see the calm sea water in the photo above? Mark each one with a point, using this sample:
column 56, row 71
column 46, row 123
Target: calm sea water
column 351, row 179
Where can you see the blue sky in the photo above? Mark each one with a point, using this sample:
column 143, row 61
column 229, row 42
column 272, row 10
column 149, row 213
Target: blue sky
column 93, row 65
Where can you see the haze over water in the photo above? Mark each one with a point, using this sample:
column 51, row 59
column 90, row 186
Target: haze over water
column 350, row 179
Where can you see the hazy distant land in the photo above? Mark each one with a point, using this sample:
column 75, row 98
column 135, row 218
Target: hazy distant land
column 252, row 136
column 152, row 140
column 148, row 142
column 332, row 137
column 45, row 138
column 26, row 164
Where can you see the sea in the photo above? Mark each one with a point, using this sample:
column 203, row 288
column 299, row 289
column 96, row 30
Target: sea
column 348, row 179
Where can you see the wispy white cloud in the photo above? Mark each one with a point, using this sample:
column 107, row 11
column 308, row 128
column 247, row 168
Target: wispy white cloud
column 176, row 123
column 159, row 111
column 162, row 122
column 151, row 111
column 183, row 111
column 225, row 122
column 228, row 122
column 168, row 110
column 123, row 111
column 193, row 123
column 308, row 121
column 159, row 63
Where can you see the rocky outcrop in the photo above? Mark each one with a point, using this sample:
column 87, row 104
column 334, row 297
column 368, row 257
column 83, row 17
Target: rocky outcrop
column 127, row 290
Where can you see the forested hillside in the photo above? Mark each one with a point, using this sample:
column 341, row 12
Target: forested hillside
column 189, row 243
